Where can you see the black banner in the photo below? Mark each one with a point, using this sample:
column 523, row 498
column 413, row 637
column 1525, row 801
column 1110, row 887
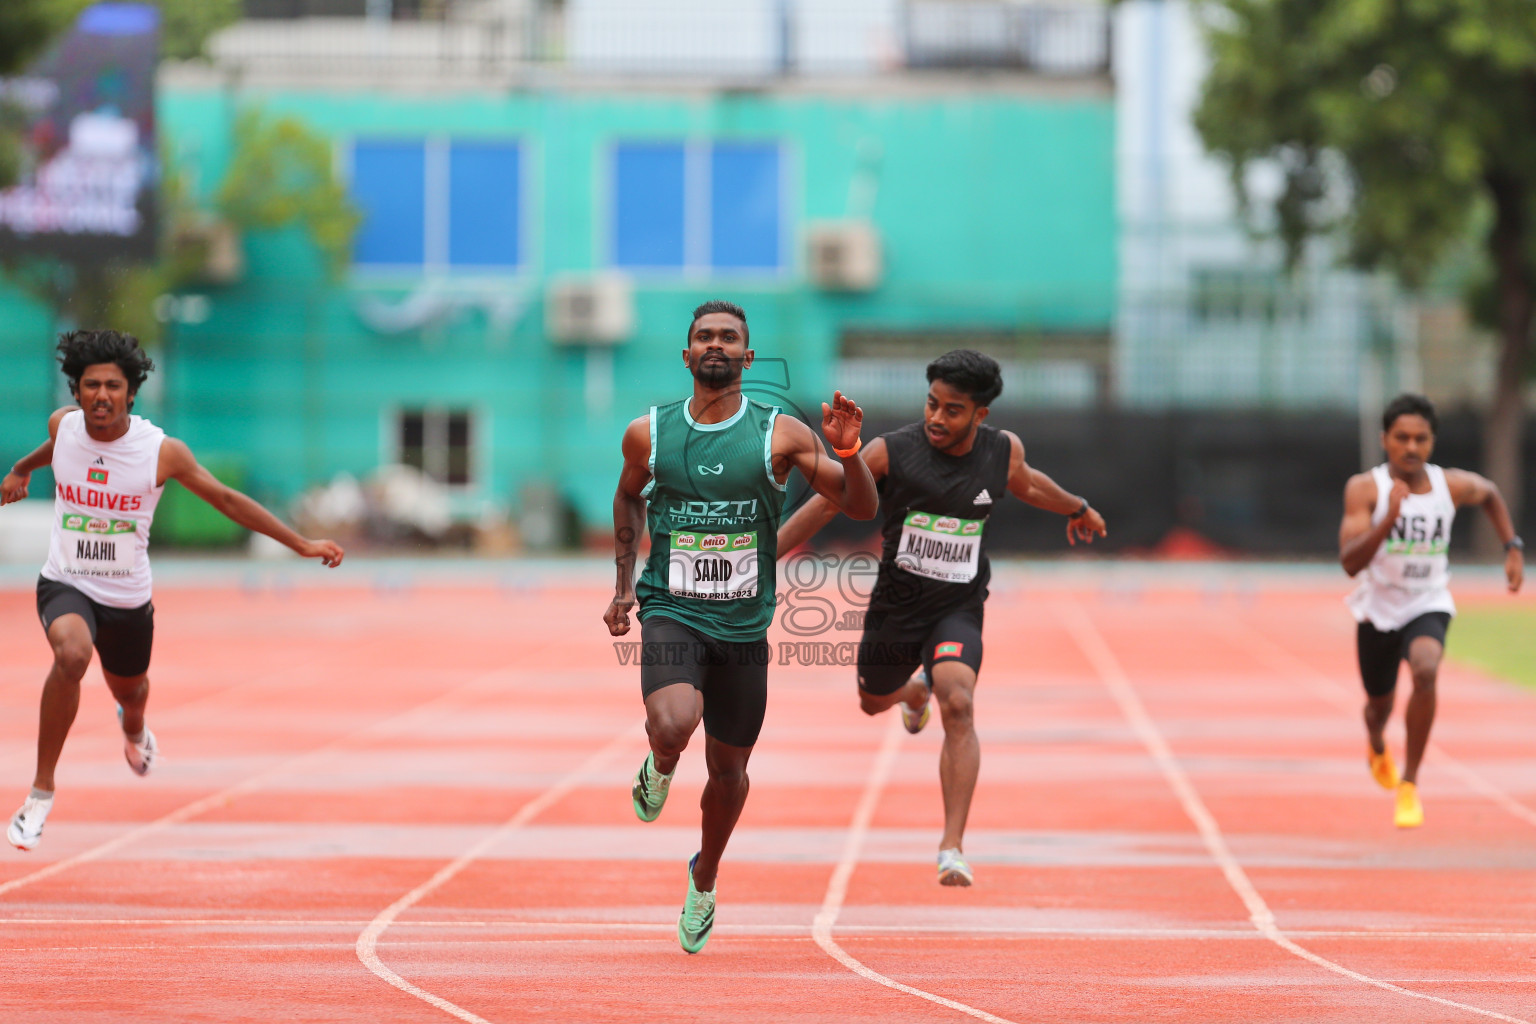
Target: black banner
column 89, row 168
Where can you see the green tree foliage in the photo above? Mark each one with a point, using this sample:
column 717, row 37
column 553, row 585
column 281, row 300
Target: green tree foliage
column 1404, row 125
column 12, row 123
column 28, row 26
column 283, row 175
column 185, row 25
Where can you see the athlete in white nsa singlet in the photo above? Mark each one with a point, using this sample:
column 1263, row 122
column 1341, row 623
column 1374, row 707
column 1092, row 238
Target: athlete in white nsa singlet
column 1410, row 573
column 1395, row 539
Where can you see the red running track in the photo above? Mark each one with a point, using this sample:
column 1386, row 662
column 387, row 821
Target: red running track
column 410, row 804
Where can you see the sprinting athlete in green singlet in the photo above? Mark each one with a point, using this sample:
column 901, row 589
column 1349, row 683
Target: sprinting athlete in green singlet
column 713, row 468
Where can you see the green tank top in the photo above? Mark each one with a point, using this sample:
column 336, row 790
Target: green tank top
column 713, row 519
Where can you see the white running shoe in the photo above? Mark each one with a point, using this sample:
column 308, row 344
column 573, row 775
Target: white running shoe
column 27, row 824
column 141, row 755
column 953, row 870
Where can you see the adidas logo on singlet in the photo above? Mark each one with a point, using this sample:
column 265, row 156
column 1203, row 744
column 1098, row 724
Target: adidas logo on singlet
column 99, row 461
column 983, row 498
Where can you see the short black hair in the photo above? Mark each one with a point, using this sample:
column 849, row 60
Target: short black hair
column 721, row 306
column 79, row 349
column 968, row 370
column 1410, row 405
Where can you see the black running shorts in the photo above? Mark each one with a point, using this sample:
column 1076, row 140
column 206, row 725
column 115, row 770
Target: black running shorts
column 733, row 677
column 1380, row 652
column 891, row 648
column 123, row 636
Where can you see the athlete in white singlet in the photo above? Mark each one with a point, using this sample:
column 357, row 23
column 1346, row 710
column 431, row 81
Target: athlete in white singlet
column 109, row 468
column 1395, row 537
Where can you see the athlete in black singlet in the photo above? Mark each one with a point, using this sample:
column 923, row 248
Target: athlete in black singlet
column 939, row 482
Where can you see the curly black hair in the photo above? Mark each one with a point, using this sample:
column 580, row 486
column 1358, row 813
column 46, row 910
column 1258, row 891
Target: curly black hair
column 722, row 306
column 79, row 349
column 968, row 370
column 1410, row 405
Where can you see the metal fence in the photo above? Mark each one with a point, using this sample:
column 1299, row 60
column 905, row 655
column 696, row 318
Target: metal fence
column 401, row 10
column 1332, row 345
column 1067, row 40
column 743, row 40
column 891, row 385
column 339, row 48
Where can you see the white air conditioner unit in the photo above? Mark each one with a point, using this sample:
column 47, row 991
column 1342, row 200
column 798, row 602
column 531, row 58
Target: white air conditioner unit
column 590, row 309
column 217, row 245
column 844, row 256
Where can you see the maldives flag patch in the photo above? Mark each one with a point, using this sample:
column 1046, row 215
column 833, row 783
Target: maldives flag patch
column 948, row 649
column 96, row 476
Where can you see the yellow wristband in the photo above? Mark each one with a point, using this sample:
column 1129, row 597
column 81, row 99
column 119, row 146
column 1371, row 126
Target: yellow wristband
column 848, row 453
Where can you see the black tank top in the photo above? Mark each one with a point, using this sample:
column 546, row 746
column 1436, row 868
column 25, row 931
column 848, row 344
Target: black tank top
column 933, row 558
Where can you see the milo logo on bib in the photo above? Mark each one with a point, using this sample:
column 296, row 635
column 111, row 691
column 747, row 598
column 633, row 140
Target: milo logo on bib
column 713, row 566
column 943, row 548
column 91, row 524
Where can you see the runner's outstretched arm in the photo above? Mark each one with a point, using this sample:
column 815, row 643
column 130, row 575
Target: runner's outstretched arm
column 177, row 463
column 817, row 511
column 629, row 521
column 1035, row 488
column 1358, row 539
column 14, row 487
column 844, row 481
column 1468, row 488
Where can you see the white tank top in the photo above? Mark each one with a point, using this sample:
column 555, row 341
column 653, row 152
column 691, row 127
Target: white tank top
column 105, row 493
column 1410, row 573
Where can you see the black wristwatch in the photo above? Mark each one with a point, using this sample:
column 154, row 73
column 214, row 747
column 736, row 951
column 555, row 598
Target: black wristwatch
column 1084, row 511
column 1514, row 544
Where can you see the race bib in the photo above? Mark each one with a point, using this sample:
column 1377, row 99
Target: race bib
column 1416, row 553
column 713, row 566
column 99, row 547
column 940, row 547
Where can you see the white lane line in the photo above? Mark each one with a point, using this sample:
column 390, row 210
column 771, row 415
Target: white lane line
column 914, row 932
column 368, row 942
column 649, row 933
column 1335, row 693
column 837, row 888
column 224, row 796
column 1480, row 784
column 1096, row 649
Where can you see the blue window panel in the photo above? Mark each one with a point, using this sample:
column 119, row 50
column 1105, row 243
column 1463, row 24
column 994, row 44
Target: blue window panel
column 648, row 205
column 389, row 183
column 744, row 204
column 484, row 189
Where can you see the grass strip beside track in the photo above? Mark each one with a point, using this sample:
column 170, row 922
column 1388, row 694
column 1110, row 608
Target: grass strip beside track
column 1499, row 641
